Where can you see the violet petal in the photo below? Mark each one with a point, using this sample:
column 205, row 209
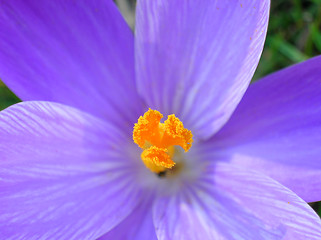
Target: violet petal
column 137, row 226
column 276, row 129
column 80, row 53
column 196, row 59
column 64, row 174
column 234, row 203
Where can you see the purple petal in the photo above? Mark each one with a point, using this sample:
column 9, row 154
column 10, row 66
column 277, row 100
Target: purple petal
column 137, row 226
column 64, row 174
column 276, row 129
column 80, row 53
column 196, row 59
column 232, row 203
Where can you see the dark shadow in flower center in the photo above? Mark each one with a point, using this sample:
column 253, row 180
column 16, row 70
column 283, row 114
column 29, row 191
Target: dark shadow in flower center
column 170, row 173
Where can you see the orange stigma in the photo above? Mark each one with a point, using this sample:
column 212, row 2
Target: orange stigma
column 158, row 139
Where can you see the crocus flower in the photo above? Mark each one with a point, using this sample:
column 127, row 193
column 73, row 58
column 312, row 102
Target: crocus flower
column 71, row 166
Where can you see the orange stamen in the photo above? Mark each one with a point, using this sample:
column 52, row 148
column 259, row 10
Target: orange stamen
column 157, row 139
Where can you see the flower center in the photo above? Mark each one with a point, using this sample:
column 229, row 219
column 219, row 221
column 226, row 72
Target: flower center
column 158, row 140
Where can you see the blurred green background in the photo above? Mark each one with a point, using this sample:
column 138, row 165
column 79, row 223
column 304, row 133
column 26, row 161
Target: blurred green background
column 294, row 35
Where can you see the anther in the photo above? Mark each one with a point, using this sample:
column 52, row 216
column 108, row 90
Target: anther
column 157, row 139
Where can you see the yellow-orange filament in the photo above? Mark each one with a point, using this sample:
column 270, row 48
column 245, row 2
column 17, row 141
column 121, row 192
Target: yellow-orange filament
column 157, row 139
